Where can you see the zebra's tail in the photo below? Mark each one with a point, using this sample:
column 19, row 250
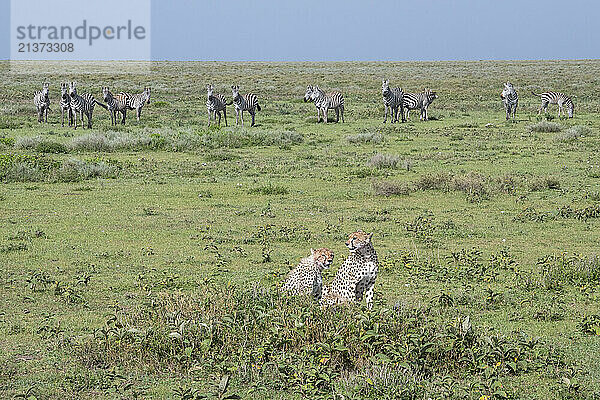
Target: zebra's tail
column 101, row 105
column 258, row 107
column 535, row 94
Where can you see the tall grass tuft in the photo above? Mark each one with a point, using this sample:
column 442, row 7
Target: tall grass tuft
column 545, row 126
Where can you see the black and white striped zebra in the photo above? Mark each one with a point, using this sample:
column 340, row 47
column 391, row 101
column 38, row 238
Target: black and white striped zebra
column 244, row 103
column 561, row 99
column 420, row 101
column 510, row 98
column 327, row 101
column 83, row 104
column 65, row 104
column 215, row 103
column 392, row 101
column 41, row 100
column 114, row 106
column 135, row 101
column 308, row 97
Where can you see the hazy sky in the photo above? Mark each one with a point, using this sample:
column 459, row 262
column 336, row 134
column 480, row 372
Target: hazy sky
column 366, row 30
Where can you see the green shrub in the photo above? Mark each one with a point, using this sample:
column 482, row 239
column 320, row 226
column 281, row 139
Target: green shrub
column 545, row 126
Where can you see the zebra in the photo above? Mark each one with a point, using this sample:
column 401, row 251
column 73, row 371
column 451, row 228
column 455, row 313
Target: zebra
column 65, row 104
column 114, row 106
column 42, row 103
column 561, row 99
column 413, row 101
column 392, row 100
column 510, row 98
column 83, row 104
column 135, row 101
column 215, row 103
column 308, row 97
column 248, row 103
column 329, row 101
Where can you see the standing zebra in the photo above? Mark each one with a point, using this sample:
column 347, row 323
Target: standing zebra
column 329, row 101
column 248, row 103
column 413, row 101
column 510, row 98
column 215, row 103
column 42, row 103
column 561, row 99
column 65, row 104
column 83, row 104
column 135, row 101
column 308, row 97
column 114, row 106
column 392, row 100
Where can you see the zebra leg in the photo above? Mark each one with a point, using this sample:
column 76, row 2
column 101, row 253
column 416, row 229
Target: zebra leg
column 385, row 112
column 89, row 118
column 337, row 115
column 62, row 113
column 209, row 117
column 236, row 117
column 325, row 116
column 242, row 116
column 124, row 112
column 139, row 113
column 225, row 115
column 219, row 114
column 253, row 113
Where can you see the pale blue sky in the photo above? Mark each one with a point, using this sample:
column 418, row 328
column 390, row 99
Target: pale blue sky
column 324, row 30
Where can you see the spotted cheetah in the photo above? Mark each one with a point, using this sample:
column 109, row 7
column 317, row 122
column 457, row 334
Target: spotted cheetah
column 356, row 277
column 306, row 277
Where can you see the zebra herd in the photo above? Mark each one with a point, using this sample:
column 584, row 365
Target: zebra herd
column 510, row 98
column 395, row 101
column 74, row 105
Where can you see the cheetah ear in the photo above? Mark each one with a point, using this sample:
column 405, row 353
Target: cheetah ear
column 369, row 236
column 312, row 251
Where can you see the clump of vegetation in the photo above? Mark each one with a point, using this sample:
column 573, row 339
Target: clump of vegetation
column 380, row 160
column 573, row 133
column 26, row 168
column 366, row 137
column 109, row 142
column 385, row 188
column 230, row 330
column 239, row 138
column 545, row 127
column 39, row 144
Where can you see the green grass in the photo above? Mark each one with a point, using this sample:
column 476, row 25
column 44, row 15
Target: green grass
column 144, row 260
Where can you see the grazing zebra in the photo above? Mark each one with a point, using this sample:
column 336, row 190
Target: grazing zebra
column 42, row 103
column 329, row 101
column 83, row 104
column 114, row 106
column 248, row 103
column 135, row 101
column 413, row 101
column 561, row 99
column 392, row 100
column 510, row 98
column 65, row 104
column 215, row 103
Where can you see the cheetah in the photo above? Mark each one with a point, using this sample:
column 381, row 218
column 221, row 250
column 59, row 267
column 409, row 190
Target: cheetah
column 356, row 277
column 306, row 277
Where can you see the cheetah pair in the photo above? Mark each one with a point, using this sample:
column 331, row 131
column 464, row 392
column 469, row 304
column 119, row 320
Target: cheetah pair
column 355, row 278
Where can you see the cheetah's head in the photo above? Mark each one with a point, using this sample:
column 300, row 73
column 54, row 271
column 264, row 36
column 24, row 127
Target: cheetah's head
column 323, row 257
column 358, row 240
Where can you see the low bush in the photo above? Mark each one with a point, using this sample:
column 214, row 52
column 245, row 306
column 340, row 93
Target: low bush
column 545, row 126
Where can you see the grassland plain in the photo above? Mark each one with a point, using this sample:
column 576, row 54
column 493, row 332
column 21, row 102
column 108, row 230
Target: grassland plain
column 142, row 261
